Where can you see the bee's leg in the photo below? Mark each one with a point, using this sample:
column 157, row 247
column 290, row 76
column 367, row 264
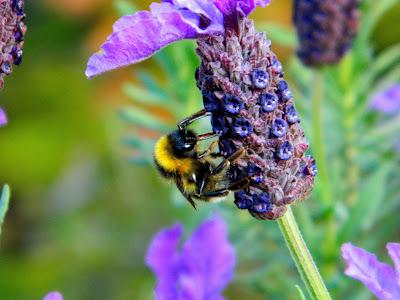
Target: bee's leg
column 188, row 198
column 239, row 185
column 189, row 120
column 227, row 162
column 209, row 151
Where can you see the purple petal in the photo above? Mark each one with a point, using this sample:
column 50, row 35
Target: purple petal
column 387, row 101
column 244, row 7
column 53, row 296
column 378, row 277
column 3, row 118
column 208, row 261
column 394, row 252
column 163, row 258
column 139, row 36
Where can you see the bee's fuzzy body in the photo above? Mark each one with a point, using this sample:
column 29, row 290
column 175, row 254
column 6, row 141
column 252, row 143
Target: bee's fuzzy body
column 182, row 164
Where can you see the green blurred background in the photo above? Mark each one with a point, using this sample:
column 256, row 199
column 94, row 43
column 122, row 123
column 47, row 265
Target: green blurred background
column 82, row 214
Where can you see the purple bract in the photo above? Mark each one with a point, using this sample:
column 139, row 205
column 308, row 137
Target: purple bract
column 387, row 101
column 137, row 37
column 380, row 278
column 3, row 118
column 53, row 296
column 200, row 270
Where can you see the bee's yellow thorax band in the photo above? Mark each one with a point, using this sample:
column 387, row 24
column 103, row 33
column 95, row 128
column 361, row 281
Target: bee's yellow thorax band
column 165, row 158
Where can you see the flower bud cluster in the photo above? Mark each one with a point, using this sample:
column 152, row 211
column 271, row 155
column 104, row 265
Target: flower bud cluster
column 12, row 32
column 252, row 107
column 325, row 29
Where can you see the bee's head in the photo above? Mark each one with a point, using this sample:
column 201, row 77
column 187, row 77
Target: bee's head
column 182, row 141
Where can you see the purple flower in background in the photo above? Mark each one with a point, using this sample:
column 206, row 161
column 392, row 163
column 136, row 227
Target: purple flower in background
column 53, row 296
column 380, row 278
column 200, row 270
column 3, row 118
column 137, row 37
column 387, row 101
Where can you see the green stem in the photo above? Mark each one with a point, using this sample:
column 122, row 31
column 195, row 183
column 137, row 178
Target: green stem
column 302, row 257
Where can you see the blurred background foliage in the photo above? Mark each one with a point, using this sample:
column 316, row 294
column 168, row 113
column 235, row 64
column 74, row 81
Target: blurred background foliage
column 81, row 216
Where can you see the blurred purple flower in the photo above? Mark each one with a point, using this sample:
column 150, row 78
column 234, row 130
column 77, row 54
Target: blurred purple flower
column 53, row 296
column 380, row 278
column 137, row 37
column 201, row 270
column 387, row 101
column 3, row 118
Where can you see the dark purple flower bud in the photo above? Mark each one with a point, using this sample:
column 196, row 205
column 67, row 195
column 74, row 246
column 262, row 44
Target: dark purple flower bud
column 260, row 79
column 219, row 124
column 283, row 90
column 311, row 168
column 291, row 114
column 226, row 147
column 18, row 6
column 242, row 127
column 268, row 102
column 211, row 103
column 243, row 200
column 325, row 29
column 261, row 203
column 277, row 66
column 17, row 55
column 285, row 151
column 255, row 173
column 6, row 68
column 232, row 105
column 279, row 128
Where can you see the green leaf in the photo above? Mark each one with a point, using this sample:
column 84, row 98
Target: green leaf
column 372, row 196
column 124, row 7
column 4, row 201
column 300, row 291
column 279, row 34
column 383, row 131
column 140, row 117
column 371, row 16
column 144, row 96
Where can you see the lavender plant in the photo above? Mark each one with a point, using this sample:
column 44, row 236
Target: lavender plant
column 239, row 77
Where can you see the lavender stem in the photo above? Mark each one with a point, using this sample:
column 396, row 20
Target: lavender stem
column 302, row 257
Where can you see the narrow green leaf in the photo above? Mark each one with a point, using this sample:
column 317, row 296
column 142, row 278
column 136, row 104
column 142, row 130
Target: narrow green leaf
column 371, row 198
column 279, row 34
column 139, row 117
column 383, row 131
column 144, row 96
column 124, row 7
column 300, row 291
column 4, row 201
column 375, row 10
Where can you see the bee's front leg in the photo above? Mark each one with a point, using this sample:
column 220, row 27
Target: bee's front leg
column 228, row 161
column 209, row 151
column 189, row 120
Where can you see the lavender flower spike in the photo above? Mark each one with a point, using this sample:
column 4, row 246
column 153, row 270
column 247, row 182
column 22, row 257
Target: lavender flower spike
column 200, row 270
column 387, row 101
column 53, row 296
column 12, row 32
column 3, row 118
column 137, row 37
column 380, row 278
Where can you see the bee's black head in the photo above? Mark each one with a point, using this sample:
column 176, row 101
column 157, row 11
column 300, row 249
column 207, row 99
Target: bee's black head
column 182, row 141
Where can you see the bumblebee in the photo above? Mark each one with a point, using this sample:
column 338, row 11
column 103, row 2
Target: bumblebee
column 196, row 173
